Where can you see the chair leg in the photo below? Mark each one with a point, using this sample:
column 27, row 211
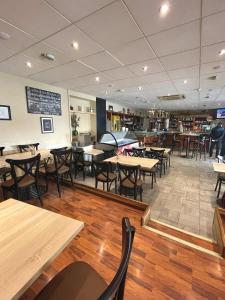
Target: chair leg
column 46, row 182
column 218, row 194
column 152, row 179
column 71, row 177
column 4, row 194
column 116, row 186
column 217, row 184
column 96, row 183
column 38, row 193
column 141, row 194
column 83, row 173
column 58, row 185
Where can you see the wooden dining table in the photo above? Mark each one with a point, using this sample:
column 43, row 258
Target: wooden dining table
column 133, row 161
column 45, row 154
column 30, row 239
column 219, row 167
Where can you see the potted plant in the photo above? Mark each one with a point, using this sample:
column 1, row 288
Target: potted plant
column 75, row 123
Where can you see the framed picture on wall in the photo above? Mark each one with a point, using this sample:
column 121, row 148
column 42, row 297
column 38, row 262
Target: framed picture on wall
column 5, row 112
column 47, row 125
column 110, row 108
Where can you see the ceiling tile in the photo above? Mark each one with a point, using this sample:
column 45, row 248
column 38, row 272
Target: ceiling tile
column 17, row 65
column 181, row 60
column 63, row 72
column 181, row 38
column 84, row 81
column 210, row 7
column 213, row 67
column 5, row 52
column 32, row 16
column 111, row 26
column 18, row 41
column 42, row 48
column 153, row 65
column 212, row 29
column 152, row 78
column 211, row 53
column 119, row 73
column 101, row 61
column 63, row 41
column 147, row 14
column 184, row 73
column 133, row 52
column 75, row 10
column 191, row 85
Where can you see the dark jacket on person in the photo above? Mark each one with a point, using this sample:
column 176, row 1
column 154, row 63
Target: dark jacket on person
column 217, row 133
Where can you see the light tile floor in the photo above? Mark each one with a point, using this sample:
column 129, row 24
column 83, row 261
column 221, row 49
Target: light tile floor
column 184, row 197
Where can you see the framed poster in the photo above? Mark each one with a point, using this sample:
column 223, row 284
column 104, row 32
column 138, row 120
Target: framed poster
column 47, row 125
column 110, row 108
column 5, row 112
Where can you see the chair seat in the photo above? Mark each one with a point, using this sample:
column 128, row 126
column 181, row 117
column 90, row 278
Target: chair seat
column 150, row 170
column 4, row 171
column 78, row 281
column 221, row 176
column 27, row 180
column 128, row 184
column 103, row 178
column 51, row 169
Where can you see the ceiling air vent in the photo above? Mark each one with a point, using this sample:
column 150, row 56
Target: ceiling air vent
column 172, row 97
column 212, row 77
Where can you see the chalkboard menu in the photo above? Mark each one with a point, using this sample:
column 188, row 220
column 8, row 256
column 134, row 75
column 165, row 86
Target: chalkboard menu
column 43, row 102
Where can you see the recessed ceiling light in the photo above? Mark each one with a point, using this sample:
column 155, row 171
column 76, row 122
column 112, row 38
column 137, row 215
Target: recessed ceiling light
column 28, row 64
column 145, row 68
column 222, row 52
column 140, row 88
column 185, row 81
column 4, row 36
column 219, row 104
column 75, row 45
column 122, row 90
column 164, row 9
column 168, row 94
column 97, row 78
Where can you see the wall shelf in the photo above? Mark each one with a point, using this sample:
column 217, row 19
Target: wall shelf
column 82, row 112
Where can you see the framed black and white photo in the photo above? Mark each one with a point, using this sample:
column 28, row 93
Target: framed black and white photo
column 5, row 112
column 110, row 108
column 47, row 125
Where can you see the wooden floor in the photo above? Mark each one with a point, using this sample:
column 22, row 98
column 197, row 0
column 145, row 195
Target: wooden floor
column 159, row 268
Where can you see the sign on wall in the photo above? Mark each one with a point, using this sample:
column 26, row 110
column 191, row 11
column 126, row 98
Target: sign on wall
column 43, row 102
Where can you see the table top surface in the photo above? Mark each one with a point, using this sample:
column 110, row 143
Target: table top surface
column 93, row 152
column 190, row 134
column 45, row 153
column 219, row 167
column 30, row 238
column 133, row 161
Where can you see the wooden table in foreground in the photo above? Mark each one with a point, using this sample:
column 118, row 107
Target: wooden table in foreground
column 45, row 153
column 133, row 161
column 219, row 167
column 30, row 239
column 166, row 150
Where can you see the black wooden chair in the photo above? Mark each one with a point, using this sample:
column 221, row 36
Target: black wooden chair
column 128, row 152
column 149, row 171
column 130, row 185
column 81, row 282
column 29, row 169
column 104, row 173
column 62, row 165
column 138, row 152
column 79, row 163
column 26, row 148
column 159, row 154
column 4, row 172
column 220, row 181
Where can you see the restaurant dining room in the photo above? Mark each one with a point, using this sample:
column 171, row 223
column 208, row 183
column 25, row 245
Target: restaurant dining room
column 112, row 149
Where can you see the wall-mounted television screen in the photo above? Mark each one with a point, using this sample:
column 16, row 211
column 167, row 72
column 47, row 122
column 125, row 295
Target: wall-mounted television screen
column 220, row 113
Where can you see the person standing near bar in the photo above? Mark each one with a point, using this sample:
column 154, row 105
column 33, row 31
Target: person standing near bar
column 216, row 135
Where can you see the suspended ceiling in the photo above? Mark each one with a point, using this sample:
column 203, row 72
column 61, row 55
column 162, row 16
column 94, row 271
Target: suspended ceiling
column 116, row 40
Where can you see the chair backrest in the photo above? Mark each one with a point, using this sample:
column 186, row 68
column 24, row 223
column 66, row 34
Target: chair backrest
column 128, row 173
column 78, row 156
column 138, row 152
column 35, row 145
column 115, row 289
column 62, row 158
column 59, row 149
column 154, row 154
column 27, row 167
column 23, row 148
column 1, row 150
column 102, row 168
column 128, row 152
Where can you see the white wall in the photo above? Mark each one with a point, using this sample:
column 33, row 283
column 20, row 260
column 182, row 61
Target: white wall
column 25, row 127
